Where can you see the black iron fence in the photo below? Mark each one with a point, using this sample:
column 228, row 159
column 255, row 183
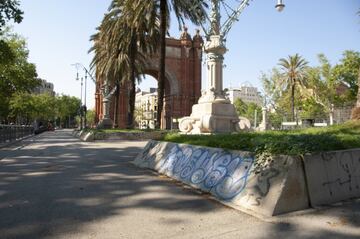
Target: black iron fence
column 10, row 133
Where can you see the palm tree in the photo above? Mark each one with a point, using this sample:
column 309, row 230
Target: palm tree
column 183, row 9
column 131, row 31
column 107, row 71
column 121, row 45
column 293, row 74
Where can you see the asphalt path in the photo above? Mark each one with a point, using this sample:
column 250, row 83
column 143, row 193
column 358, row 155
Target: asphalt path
column 55, row 186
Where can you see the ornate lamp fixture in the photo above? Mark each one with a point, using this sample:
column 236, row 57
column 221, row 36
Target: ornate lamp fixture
column 280, row 6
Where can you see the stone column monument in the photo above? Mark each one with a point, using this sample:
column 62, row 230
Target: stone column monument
column 106, row 122
column 214, row 113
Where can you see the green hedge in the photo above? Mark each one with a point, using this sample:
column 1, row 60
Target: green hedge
column 295, row 142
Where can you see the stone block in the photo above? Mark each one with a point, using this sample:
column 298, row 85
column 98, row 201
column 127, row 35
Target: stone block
column 333, row 176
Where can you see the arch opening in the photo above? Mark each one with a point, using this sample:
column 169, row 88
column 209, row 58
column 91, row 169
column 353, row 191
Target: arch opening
column 146, row 101
column 182, row 86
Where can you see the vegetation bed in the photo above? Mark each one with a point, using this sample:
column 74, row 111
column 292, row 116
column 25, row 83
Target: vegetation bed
column 295, row 142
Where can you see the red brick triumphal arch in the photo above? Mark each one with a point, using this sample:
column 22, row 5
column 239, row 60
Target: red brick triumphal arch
column 182, row 85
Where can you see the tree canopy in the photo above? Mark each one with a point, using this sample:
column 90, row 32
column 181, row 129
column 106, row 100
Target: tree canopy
column 9, row 9
column 324, row 86
column 17, row 74
column 26, row 107
column 247, row 110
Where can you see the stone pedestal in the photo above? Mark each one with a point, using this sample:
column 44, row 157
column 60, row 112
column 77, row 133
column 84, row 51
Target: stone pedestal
column 213, row 114
column 210, row 117
column 105, row 123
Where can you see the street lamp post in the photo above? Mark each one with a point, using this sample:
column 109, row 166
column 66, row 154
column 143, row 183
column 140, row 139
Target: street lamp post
column 106, row 121
column 81, row 100
column 214, row 113
column 83, row 108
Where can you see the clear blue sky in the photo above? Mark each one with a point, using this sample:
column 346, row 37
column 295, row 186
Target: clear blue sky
column 58, row 35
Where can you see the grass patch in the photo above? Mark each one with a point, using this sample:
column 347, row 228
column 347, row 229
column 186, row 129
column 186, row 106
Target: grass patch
column 295, row 142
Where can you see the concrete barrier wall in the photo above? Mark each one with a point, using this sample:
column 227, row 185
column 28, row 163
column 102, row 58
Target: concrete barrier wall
column 84, row 135
column 333, row 176
column 229, row 176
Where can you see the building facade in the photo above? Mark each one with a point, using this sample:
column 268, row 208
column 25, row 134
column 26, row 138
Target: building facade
column 45, row 87
column 146, row 108
column 247, row 94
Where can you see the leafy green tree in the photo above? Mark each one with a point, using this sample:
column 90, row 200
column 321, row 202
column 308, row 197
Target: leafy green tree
column 16, row 74
column 310, row 109
column 347, row 72
column 247, row 110
column 7, row 54
column 26, row 107
column 91, row 117
column 277, row 97
column 240, row 106
column 293, row 74
column 45, row 107
column 9, row 9
column 275, row 119
column 320, row 94
column 325, row 81
column 22, row 107
column 66, row 108
column 271, row 90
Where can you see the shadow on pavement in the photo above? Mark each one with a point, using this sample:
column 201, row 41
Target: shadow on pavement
column 61, row 181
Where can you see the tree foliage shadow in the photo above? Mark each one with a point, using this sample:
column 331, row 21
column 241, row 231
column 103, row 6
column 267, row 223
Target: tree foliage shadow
column 49, row 184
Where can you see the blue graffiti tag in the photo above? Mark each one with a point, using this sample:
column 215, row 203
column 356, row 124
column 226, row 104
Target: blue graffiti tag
column 223, row 174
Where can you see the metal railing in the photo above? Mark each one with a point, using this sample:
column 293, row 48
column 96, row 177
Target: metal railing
column 10, row 133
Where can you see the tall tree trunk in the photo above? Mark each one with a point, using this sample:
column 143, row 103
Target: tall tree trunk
column 133, row 52
column 131, row 104
column 293, row 102
column 161, row 78
column 358, row 95
column 116, row 109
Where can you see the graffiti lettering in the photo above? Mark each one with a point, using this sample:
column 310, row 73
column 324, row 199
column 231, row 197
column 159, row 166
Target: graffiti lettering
column 222, row 174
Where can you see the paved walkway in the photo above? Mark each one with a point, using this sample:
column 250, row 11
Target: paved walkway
column 54, row 186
